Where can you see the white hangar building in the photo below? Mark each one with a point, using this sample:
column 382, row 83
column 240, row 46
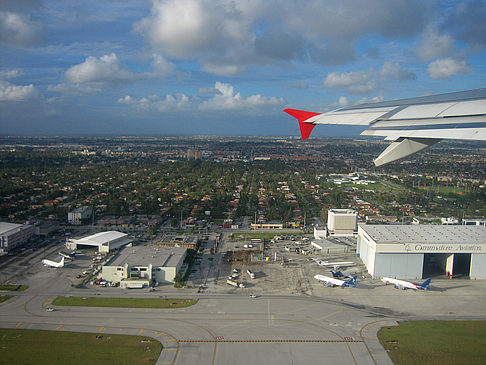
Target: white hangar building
column 105, row 241
column 417, row 252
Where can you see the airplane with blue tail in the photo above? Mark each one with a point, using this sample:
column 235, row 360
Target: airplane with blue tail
column 402, row 284
column 332, row 282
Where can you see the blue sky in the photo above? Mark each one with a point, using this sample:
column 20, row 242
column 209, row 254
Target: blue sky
column 223, row 67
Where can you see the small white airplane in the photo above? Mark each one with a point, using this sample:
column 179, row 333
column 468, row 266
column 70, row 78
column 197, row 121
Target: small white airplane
column 336, row 282
column 335, row 265
column 402, row 284
column 50, row 263
column 411, row 124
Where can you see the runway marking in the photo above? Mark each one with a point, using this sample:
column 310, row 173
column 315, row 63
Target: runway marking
column 139, row 332
column 101, row 329
column 372, row 325
column 173, row 339
column 368, row 336
column 59, row 326
column 377, row 354
column 18, row 324
column 171, row 349
column 160, row 334
column 270, row 340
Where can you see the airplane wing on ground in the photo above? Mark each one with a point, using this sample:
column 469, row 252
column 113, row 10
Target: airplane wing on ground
column 412, row 124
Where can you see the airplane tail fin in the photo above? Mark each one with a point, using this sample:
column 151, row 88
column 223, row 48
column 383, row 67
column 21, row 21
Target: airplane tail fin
column 302, row 116
column 425, row 284
column 352, row 281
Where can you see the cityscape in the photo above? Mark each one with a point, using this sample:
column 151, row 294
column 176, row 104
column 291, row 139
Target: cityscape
column 222, row 180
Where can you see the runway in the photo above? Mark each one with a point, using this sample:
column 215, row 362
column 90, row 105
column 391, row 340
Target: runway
column 239, row 330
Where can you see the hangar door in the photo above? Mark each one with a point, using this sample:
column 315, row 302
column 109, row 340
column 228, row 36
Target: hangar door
column 462, row 264
column 457, row 264
column 435, row 264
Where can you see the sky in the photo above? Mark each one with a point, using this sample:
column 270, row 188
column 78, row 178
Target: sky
column 225, row 67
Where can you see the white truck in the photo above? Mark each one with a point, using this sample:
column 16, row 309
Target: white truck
column 251, row 273
column 235, row 283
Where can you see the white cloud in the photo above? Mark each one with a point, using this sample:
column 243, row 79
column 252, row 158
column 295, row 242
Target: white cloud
column 374, row 99
column 396, row 72
column 127, row 99
column 18, row 30
column 343, row 101
column 104, row 70
column 68, row 88
column 9, row 92
column 225, row 37
column 174, row 103
column 362, row 82
column 222, row 69
column 10, row 74
column 434, row 45
column 161, row 66
column 182, row 28
column 169, row 103
column 358, row 82
column 446, row 67
column 226, row 99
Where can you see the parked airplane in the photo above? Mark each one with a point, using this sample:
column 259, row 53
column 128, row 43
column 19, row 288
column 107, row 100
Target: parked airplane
column 402, row 284
column 50, row 263
column 335, row 265
column 336, row 282
column 412, row 124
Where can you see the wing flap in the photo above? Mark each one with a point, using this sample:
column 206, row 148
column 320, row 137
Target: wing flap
column 402, row 148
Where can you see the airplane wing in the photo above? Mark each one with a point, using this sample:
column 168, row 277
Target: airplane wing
column 412, row 124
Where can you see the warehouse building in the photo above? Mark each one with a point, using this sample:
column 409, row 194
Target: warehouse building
column 13, row 235
column 421, row 251
column 138, row 267
column 104, row 241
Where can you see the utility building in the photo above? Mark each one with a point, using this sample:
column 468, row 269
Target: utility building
column 421, row 251
column 342, row 222
column 138, row 267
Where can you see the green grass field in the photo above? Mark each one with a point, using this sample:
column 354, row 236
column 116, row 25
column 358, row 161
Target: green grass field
column 58, row 347
column 124, row 302
column 3, row 298
column 13, row 287
column 436, row 342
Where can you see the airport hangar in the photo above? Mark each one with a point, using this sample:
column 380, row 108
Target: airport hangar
column 421, row 251
column 105, row 241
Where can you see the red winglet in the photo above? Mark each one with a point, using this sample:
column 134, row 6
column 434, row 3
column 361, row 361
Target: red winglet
column 302, row 116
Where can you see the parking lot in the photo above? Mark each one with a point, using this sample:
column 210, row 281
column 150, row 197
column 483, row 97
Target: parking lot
column 286, row 266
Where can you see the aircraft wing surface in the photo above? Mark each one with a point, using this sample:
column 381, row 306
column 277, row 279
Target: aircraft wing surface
column 412, row 124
